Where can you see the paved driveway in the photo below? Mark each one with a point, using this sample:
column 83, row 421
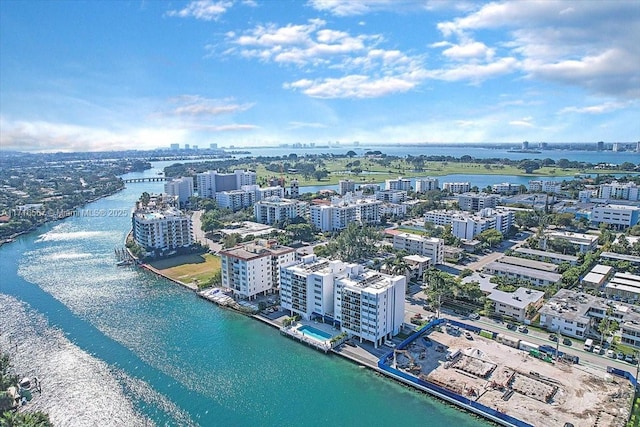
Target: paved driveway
column 199, row 235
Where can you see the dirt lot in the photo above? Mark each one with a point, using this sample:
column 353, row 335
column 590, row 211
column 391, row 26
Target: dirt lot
column 514, row 382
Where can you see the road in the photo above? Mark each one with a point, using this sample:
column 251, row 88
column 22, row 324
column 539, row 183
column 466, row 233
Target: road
column 199, row 235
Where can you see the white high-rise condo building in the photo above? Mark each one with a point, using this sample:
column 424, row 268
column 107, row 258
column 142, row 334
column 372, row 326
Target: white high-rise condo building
column 307, row 286
column 182, row 188
column 456, row 187
column 342, row 211
column 398, row 184
column 294, row 191
column 426, row 184
column 505, row 188
column 466, row 226
column 619, row 191
column 391, row 196
column 441, row 217
column 274, row 209
column 250, row 269
column 619, row 216
column 346, row 186
column 536, row 186
column 475, row 202
column 235, row 199
column 431, row 247
column 158, row 226
column 370, row 305
column 211, row 182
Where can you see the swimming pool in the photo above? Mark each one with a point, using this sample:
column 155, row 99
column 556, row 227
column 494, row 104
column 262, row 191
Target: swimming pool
column 317, row 334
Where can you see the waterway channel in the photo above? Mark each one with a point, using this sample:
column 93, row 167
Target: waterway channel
column 119, row 346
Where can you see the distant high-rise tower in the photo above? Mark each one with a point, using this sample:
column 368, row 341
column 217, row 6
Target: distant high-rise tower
column 616, row 147
column 174, row 146
column 525, row 145
column 345, row 186
column 213, row 146
column 544, row 146
column 186, row 146
column 600, row 145
column 294, row 192
column 638, row 147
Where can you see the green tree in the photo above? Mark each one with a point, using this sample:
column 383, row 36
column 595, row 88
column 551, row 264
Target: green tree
column 397, row 264
column 354, row 243
column 231, row 240
column 25, row 419
column 145, row 198
column 529, row 166
column 303, row 232
column 492, row 237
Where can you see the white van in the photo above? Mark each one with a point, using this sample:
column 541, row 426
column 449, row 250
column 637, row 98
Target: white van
column 588, row 345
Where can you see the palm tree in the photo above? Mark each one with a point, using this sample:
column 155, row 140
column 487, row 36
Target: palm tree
column 437, row 286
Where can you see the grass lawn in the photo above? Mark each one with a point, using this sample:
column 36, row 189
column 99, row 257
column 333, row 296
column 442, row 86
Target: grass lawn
column 375, row 173
column 189, row 268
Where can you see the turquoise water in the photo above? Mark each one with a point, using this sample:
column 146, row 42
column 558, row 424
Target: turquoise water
column 118, row 346
column 314, row 333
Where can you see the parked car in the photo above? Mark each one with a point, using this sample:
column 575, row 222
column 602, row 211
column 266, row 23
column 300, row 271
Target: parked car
column 511, row 326
column 468, row 336
column 597, row 349
column 474, row 316
column 566, row 341
column 611, row 354
column 630, row 359
column 620, row 356
column 553, row 337
column 523, row 329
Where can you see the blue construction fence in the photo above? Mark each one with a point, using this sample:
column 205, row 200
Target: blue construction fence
column 455, row 397
column 623, row 374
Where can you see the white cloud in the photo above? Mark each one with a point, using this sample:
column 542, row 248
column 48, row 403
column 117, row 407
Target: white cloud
column 50, row 136
column 476, row 73
column 352, row 86
column 206, row 10
column 234, row 127
column 523, row 122
column 580, row 45
column 468, row 51
column 302, row 125
column 354, row 7
column 370, row 71
column 303, row 44
column 594, row 109
column 193, row 105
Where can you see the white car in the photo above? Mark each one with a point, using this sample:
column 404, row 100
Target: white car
column 611, row 354
column 474, row 316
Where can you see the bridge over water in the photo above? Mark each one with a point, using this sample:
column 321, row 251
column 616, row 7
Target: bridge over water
column 152, row 179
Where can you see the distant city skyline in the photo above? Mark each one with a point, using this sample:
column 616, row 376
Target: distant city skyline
column 112, row 75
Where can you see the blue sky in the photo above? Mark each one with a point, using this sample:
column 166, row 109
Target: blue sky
column 104, row 75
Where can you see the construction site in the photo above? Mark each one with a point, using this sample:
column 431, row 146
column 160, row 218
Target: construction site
column 528, row 385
